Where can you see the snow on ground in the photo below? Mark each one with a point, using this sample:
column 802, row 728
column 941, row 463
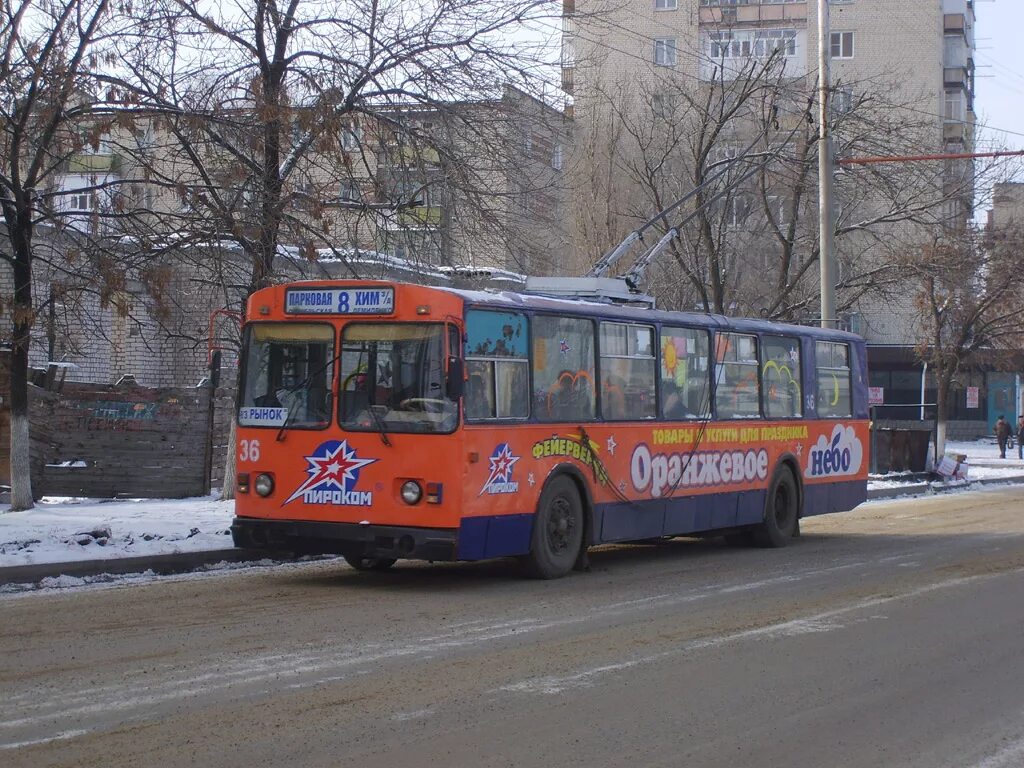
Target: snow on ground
column 64, row 530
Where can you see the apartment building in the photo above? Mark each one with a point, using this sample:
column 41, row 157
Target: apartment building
column 903, row 82
column 468, row 194
column 1007, row 210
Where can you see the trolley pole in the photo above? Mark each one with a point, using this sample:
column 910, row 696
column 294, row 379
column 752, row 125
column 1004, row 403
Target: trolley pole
column 826, row 256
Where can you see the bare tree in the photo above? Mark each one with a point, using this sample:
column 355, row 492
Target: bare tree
column 291, row 132
column 751, row 247
column 49, row 52
column 967, row 287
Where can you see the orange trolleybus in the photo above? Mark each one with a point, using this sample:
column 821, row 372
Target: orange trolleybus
column 384, row 420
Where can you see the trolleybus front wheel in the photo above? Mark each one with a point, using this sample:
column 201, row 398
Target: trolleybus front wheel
column 557, row 531
column 370, row 563
column 781, row 512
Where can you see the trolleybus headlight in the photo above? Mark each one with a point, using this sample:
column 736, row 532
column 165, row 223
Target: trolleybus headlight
column 264, row 484
column 411, row 492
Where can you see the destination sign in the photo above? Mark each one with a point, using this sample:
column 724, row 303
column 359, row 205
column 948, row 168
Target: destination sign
column 340, row 301
column 262, row 417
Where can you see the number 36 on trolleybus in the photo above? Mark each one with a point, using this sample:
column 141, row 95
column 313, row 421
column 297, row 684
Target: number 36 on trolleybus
column 383, row 421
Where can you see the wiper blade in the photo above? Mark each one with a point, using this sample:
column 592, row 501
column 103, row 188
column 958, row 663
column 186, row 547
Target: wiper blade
column 380, row 426
column 287, row 421
column 306, row 383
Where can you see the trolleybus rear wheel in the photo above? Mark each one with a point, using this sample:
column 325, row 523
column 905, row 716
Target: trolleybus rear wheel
column 781, row 512
column 557, row 531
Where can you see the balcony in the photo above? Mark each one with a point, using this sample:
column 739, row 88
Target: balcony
column 421, row 216
column 956, row 77
column 752, row 13
column 954, row 132
column 567, row 79
column 954, row 22
column 99, row 162
column 411, row 156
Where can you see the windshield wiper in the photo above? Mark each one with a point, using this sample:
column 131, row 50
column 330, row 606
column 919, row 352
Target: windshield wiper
column 305, row 384
column 379, row 422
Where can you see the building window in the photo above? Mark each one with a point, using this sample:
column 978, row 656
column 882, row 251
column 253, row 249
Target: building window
column 349, row 192
column 665, row 52
column 351, row 137
column 721, row 154
column 556, row 157
column 663, row 105
column 842, row 45
column 954, row 106
column 734, row 210
column 81, row 201
column 748, row 44
column 527, row 143
column 842, row 100
column 665, row 5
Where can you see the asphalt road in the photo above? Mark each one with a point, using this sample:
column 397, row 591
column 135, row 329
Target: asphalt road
column 890, row 636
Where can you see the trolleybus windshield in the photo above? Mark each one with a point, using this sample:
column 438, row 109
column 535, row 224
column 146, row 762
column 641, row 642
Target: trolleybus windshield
column 393, row 378
column 288, row 375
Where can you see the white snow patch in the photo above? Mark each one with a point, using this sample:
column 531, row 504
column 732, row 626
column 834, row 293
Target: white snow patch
column 60, row 530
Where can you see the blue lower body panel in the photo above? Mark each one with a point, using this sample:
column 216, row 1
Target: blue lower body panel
column 834, row 497
column 497, row 536
column 480, row 538
column 676, row 517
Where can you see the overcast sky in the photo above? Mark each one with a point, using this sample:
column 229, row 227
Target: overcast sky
column 1000, row 62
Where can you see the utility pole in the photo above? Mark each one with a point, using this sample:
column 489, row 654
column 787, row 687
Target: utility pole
column 826, row 256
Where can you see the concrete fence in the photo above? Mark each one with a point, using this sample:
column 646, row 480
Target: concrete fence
column 121, row 440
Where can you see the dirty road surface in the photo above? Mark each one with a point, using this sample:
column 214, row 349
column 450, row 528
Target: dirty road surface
column 889, row 636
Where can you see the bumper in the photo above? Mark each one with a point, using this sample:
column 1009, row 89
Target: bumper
column 305, row 537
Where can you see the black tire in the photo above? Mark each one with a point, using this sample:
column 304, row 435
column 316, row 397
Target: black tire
column 781, row 512
column 557, row 531
column 370, row 563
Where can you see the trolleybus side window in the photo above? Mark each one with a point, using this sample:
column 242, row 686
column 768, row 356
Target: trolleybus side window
column 288, row 375
column 685, row 375
column 627, row 371
column 737, row 384
column 497, row 365
column 780, row 377
column 832, row 366
column 563, row 368
column 393, row 378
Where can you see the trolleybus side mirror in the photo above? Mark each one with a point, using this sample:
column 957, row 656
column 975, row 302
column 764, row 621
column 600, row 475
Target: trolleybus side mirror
column 456, row 374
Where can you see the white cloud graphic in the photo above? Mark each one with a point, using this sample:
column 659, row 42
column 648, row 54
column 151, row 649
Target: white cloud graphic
column 841, row 454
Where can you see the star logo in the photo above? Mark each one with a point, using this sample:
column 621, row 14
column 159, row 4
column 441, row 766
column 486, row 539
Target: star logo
column 563, row 346
column 799, row 450
column 531, row 479
column 333, row 466
column 611, row 444
column 502, row 462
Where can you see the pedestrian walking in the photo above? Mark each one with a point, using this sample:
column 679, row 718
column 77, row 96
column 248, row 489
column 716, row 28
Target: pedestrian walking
column 1002, row 430
column 1020, row 436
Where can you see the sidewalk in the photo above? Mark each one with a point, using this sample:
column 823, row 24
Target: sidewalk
column 86, row 537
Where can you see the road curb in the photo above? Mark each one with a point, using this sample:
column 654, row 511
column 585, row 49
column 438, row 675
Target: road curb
column 179, row 562
column 919, row 489
column 186, row 562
